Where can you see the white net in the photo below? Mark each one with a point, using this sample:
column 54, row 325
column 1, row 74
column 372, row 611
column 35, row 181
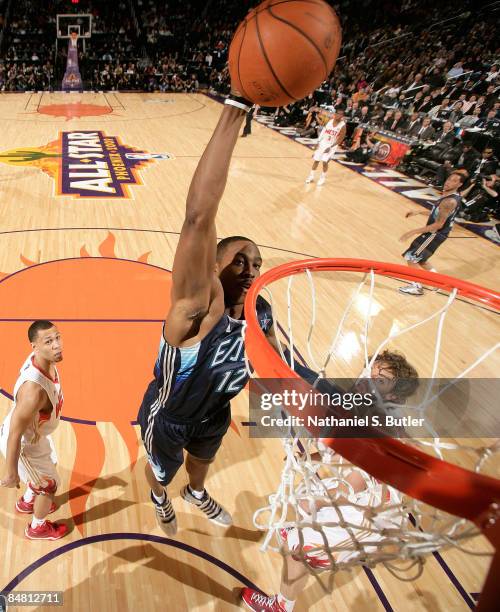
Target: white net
column 326, row 511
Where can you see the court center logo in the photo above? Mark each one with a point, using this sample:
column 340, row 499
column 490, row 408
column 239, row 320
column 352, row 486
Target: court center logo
column 86, row 164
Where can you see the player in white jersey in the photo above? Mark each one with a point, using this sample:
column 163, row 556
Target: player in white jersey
column 25, row 438
column 395, row 380
column 332, row 135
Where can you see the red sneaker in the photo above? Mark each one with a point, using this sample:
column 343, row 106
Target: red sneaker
column 257, row 601
column 24, row 507
column 314, row 557
column 47, row 531
column 284, row 533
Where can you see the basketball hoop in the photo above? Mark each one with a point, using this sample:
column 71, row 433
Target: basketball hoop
column 428, row 480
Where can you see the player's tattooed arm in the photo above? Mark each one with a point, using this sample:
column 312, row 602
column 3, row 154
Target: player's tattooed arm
column 445, row 209
column 31, row 398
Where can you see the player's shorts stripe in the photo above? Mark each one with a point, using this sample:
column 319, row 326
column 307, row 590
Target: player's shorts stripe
column 31, row 471
column 168, row 374
column 155, row 406
column 425, row 244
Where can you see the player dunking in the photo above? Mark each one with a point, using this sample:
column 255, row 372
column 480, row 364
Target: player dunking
column 435, row 232
column 332, row 135
column 200, row 365
column 25, row 434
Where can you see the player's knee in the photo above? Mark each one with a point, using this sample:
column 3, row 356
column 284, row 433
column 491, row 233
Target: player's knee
column 49, row 488
column 200, row 460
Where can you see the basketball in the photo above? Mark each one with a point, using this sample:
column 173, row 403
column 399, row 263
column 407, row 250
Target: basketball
column 283, row 50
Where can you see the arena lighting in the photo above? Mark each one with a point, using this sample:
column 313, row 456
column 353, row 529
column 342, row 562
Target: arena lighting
column 75, row 1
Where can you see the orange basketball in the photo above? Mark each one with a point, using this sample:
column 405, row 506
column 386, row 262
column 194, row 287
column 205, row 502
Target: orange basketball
column 283, row 50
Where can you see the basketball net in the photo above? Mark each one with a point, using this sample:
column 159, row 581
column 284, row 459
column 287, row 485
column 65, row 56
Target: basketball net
column 331, row 525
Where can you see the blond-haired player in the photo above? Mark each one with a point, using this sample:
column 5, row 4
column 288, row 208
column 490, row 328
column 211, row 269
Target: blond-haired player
column 395, row 380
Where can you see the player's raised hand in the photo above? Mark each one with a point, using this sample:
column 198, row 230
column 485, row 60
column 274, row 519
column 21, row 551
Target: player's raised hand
column 11, row 481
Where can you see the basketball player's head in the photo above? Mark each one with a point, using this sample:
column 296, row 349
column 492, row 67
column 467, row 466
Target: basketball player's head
column 454, row 181
column 238, row 265
column 46, row 341
column 396, row 379
column 338, row 116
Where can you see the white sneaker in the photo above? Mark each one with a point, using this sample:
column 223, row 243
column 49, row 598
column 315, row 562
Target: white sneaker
column 412, row 290
column 212, row 509
column 321, row 181
column 310, row 179
column 165, row 515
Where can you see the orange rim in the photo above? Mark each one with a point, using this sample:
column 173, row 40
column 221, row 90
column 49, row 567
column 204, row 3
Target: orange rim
column 439, row 483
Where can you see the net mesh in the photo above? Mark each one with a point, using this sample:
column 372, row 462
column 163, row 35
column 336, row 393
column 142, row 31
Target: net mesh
column 326, row 511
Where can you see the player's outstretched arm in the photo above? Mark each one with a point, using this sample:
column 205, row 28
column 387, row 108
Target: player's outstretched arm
column 445, row 209
column 30, row 398
column 195, row 284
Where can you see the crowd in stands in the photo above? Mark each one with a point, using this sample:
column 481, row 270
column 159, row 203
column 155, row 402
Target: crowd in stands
column 436, row 88
column 424, row 70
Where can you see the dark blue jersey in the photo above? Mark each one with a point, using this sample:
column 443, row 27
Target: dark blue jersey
column 448, row 224
column 193, row 383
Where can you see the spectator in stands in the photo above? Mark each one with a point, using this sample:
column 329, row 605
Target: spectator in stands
column 492, row 123
column 403, row 103
column 418, row 99
column 415, row 85
column 456, row 112
column 390, row 93
column 360, row 96
column 354, row 111
column 338, row 102
column 468, row 121
column 398, row 123
column 377, row 115
column 364, row 115
column 481, row 199
column 435, row 78
column 493, row 74
column 456, row 71
column 425, row 105
column 414, row 125
column 468, row 105
column 467, row 159
column 487, row 164
column 363, row 147
column 447, row 135
column 441, row 111
column 388, row 120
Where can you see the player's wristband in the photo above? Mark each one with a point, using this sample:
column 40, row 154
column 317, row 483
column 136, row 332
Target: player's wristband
column 241, row 103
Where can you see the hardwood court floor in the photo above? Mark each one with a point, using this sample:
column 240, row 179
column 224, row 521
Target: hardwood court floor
column 99, row 267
